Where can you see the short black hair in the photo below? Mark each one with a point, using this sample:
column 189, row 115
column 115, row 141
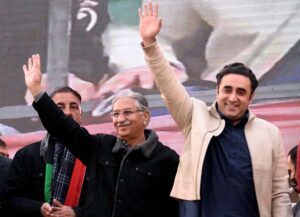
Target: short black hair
column 240, row 69
column 2, row 143
column 65, row 89
column 293, row 155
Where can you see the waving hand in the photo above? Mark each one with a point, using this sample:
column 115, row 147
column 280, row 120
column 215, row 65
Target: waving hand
column 33, row 75
column 150, row 24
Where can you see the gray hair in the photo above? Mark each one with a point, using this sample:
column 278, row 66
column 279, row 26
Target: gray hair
column 141, row 101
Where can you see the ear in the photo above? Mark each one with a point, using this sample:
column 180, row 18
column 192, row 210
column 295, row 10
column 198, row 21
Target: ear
column 146, row 117
column 217, row 91
column 251, row 97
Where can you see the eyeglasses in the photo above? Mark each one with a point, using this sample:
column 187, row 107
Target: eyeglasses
column 126, row 113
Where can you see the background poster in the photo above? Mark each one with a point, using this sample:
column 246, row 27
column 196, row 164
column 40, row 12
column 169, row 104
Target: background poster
column 94, row 46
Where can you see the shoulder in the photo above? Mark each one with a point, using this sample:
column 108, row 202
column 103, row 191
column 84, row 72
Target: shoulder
column 167, row 151
column 106, row 137
column 4, row 161
column 31, row 149
column 105, row 140
column 259, row 123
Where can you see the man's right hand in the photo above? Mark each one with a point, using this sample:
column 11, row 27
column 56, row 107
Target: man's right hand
column 46, row 209
column 150, row 24
column 33, row 75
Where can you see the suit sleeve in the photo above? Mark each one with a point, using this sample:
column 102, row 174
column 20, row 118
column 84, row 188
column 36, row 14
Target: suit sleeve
column 172, row 91
column 280, row 196
column 76, row 138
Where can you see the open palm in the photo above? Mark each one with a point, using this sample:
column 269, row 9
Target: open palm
column 33, row 75
column 150, row 24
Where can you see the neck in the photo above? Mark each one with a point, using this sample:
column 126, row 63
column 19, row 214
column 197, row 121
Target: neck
column 235, row 122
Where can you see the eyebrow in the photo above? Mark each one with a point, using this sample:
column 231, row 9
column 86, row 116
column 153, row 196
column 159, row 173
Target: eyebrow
column 63, row 103
column 124, row 109
column 239, row 88
column 74, row 103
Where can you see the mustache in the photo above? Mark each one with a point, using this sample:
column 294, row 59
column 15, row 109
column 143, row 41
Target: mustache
column 122, row 124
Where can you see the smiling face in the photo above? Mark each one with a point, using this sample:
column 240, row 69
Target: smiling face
column 69, row 104
column 129, row 120
column 234, row 96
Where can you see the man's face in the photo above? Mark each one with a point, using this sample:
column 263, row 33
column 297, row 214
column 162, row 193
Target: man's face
column 234, row 96
column 128, row 120
column 292, row 173
column 69, row 104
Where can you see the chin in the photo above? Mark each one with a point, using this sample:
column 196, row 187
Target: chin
column 123, row 135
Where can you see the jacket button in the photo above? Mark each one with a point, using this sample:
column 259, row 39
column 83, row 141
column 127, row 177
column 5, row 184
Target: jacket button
column 122, row 180
column 137, row 169
column 149, row 173
column 106, row 162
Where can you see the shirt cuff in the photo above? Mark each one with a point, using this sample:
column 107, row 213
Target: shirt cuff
column 150, row 45
column 38, row 96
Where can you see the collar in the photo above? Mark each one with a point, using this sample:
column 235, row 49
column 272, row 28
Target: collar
column 146, row 146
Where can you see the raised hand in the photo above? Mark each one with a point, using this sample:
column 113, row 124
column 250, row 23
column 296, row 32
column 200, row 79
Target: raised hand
column 33, row 74
column 150, row 24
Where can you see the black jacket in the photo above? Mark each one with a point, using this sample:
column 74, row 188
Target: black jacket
column 134, row 183
column 25, row 184
column 5, row 163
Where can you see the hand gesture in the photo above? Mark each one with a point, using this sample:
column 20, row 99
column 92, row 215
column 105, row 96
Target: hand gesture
column 150, row 25
column 33, row 75
column 46, row 209
column 59, row 210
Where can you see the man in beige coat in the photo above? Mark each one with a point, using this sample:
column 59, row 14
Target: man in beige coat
column 233, row 163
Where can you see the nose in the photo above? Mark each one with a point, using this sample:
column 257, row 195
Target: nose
column 67, row 111
column 232, row 97
column 121, row 117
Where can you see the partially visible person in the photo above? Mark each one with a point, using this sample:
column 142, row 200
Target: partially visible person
column 233, row 163
column 45, row 175
column 5, row 163
column 292, row 170
column 291, row 164
column 3, row 149
column 132, row 173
